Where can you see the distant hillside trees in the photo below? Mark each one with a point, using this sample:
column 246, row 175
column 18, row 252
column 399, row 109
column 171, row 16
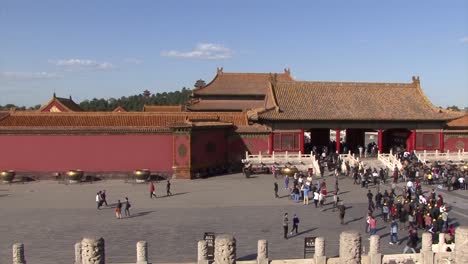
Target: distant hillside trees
column 136, row 102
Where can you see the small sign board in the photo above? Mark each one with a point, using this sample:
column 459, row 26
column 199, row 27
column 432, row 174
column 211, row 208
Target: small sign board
column 309, row 246
column 209, row 237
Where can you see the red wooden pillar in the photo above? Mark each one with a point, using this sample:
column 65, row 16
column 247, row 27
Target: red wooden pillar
column 338, row 139
column 380, row 140
column 441, row 141
column 301, row 141
column 413, row 139
column 270, row 143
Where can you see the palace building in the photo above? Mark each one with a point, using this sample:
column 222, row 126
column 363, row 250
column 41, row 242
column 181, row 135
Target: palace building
column 233, row 114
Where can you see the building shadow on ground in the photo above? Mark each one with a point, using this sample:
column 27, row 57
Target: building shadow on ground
column 354, row 220
column 140, row 214
column 303, row 232
column 174, row 194
column 251, row 256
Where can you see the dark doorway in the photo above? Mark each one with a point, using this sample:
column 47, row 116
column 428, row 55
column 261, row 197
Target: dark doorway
column 395, row 139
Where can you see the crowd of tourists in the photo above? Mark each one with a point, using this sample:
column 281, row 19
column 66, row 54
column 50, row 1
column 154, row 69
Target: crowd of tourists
column 101, row 200
column 449, row 174
column 408, row 209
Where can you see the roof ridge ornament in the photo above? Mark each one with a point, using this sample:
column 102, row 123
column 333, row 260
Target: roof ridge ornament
column 219, row 70
column 415, row 79
column 287, row 71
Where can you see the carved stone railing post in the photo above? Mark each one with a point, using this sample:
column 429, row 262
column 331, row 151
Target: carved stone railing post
column 262, row 252
column 426, row 249
column 78, row 253
column 202, row 256
column 319, row 256
column 225, row 249
column 374, row 250
column 18, row 254
column 142, row 252
column 93, row 251
column 441, row 242
column 461, row 245
column 350, row 247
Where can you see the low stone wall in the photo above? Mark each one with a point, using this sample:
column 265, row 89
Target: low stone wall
column 92, row 251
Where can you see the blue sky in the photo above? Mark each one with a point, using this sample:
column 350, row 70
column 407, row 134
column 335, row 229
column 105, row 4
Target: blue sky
column 113, row 48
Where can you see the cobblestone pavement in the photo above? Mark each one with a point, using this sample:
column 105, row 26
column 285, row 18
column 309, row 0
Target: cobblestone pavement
column 49, row 218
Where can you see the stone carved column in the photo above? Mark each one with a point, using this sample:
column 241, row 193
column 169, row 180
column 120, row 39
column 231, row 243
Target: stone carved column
column 78, row 253
column 142, row 252
column 319, row 256
column 350, row 247
column 225, row 249
column 319, row 247
column 441, row 242
column 374, row 247
column 18, row 254
column 202, row 257
column 426, row 243
column 374, row 250
column 262, row 252
column 426, row 248
column 93, row 251
column 461, row 245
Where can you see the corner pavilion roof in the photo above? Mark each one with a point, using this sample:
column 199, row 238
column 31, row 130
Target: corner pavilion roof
column 301, row 100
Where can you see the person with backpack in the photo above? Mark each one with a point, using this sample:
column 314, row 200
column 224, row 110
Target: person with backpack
column 127, row 207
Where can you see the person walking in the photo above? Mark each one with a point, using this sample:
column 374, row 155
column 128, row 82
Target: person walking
column 285, row 225
column 98, row 200
column 286, row 182
column 412, row 241
column 103, row 197
column 127, row 207
column 372, row 226
column 342, row 210
column 152, row 190
column 118, row 210
column 168, row 188
column 275, row 188
column 393, row 233
column 295, row 224
column 305, row 190
column 316, row 198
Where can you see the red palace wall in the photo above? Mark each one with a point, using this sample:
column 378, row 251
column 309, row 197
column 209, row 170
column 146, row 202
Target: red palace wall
column 208, row 148
column 239, row 144
column 86, row 152
column 456, row 141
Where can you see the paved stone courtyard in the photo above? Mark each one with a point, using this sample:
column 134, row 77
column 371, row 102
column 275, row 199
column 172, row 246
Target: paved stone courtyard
column 49, row 218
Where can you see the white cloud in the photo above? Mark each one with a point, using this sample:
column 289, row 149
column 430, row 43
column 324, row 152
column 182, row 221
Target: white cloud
column 133, row 61
column 82, row 64
column 25, row 76
column 464, row 40
column 204, row 51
